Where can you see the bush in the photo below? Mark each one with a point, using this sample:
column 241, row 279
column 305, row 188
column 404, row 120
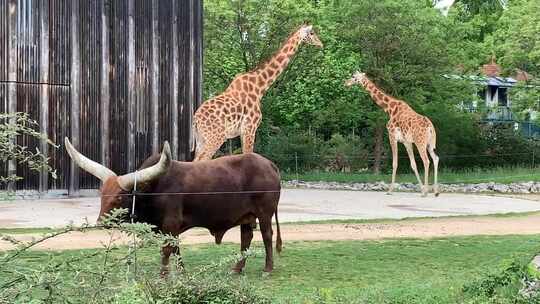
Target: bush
column 506, row 146
column 502, row 286
column 294, row 150
column 110, row 275
column 344, row 154
column 13, row 126
column 190, row 290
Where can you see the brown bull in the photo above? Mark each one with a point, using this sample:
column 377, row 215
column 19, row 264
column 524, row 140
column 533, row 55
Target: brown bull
column 216, row 194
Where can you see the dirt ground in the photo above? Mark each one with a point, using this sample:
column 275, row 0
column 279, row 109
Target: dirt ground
column 412, row 228
column 419, row 228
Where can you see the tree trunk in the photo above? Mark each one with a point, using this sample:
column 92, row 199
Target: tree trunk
column 378, row 149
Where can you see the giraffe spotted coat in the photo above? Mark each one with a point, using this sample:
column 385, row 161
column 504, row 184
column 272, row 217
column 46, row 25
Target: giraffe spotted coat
column 237, row 111
column 407, row 127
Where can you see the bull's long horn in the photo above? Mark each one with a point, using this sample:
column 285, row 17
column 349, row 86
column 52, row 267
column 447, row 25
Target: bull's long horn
column 88, row 165
column 127, row 181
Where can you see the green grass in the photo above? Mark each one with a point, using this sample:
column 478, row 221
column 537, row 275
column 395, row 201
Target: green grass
column 408, row 219
column 499, row 175
column 405, row 270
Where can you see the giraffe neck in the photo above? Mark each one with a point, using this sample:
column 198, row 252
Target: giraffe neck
column 380, row 98
column 269, row 71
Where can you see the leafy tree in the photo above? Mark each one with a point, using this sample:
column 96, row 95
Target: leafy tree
column 404, row 47
column 517, row 38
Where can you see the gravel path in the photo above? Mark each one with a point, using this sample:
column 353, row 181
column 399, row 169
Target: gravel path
column 295, row 205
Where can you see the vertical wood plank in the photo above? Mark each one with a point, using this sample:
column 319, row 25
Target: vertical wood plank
column 44, row 79
column 199, row 24
column 105, row 84
column 174, row 82
column 75, row 93
column 12, row 74
column 132, row 111
column 154, row 100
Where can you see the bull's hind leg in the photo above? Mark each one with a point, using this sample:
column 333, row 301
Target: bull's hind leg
column 246, row 235
column 266, row 230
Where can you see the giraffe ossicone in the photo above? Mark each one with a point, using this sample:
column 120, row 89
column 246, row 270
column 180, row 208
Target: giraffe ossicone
column 405, row 126
column 237, row 111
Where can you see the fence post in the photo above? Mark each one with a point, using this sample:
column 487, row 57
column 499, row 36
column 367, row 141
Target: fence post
column 75, row 94
column 105, row 85
column 44, row 96
column 12, row 76
column 533, row 165
column 154, row 98
column 296, row 164
column 132, row 95
column 174, row 82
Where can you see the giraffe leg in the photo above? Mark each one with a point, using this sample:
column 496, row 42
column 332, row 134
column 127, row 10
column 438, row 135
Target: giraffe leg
column 248, row 138
column 199, row 149
column 394, row 146
column 210, row 148
column 435, row 168
column 422, row 150
column 410, row 151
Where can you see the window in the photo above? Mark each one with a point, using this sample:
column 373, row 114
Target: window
column 503, row 97
column 492, row 92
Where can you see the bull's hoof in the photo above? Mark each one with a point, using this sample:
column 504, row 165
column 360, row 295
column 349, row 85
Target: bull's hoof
column 164, row 273
column 236, row 270
column 268, row 269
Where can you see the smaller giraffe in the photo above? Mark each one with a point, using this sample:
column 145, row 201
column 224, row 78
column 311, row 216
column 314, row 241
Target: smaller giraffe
column 237, row 111
column 405, row 126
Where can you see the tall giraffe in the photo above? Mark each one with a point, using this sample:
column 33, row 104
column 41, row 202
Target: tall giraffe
column 237, row 111
column 405, row 126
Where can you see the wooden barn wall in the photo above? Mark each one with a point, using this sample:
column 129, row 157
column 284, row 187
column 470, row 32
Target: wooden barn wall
column 116, row 77
column 28, row 77
column 143, row 81
column 4, row 38
column 59, row 105
column 165, row 54
column 90, row 67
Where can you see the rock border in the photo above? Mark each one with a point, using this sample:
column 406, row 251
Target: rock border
column 491, row 187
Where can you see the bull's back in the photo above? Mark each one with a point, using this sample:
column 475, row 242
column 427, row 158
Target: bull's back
column 217, row 192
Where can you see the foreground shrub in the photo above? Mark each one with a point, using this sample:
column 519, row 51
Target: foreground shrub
column 113, row 274
column 13, row 128
column 189, row 290
column 502, row 286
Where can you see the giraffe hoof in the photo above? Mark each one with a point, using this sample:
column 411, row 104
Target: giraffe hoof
column 437, row 194
column 389, row 193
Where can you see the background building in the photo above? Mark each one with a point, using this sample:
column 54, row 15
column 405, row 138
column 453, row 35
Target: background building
column 118, row 77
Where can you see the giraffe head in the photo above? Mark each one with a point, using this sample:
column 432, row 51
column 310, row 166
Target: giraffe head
column 307, row 35
column 356, row 78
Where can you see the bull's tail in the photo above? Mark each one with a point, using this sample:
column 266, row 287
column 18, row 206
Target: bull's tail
column 279, row 243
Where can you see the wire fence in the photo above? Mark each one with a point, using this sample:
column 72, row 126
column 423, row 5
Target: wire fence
column 356, row 162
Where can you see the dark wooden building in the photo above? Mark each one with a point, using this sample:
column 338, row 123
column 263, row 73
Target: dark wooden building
column 118, row 77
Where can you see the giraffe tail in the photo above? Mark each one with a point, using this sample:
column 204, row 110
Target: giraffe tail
column 432, row 143
column 192, row 139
